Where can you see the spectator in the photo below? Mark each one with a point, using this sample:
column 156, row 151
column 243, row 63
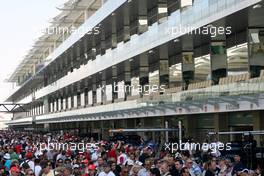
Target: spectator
column 47, row 171
column 155, row 172
column 178, row 167
column 106, row 171
column 145, row 171
column 30, row 172
column 37, row 168
column 193, row 168
column 185, row 172
column 238, row 166
column 211, row 171
column 164, row 169
column 14, row 171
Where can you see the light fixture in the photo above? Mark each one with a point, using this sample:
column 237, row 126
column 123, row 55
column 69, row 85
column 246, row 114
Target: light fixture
column 257, row 6
column 255, row 37
column 176, row 40
column 86, row 55
column 130, row 60
column 150, row 51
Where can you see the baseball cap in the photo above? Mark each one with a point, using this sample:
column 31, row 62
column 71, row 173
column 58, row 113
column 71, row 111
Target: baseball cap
column 91, row 167
column 14, row 169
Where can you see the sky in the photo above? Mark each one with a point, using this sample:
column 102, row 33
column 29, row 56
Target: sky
column 21, row 24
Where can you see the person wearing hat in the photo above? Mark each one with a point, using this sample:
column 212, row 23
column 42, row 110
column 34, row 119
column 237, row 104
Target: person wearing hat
column 91, row 170
column 76, row 170
column 7, row 159
column 14, row 171
column 30, row 161
column 59, row 162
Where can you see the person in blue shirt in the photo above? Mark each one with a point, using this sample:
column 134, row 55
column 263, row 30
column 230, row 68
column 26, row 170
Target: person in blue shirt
column 7, row 161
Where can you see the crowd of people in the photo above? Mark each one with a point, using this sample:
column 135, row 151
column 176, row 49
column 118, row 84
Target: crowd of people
column 23, row 154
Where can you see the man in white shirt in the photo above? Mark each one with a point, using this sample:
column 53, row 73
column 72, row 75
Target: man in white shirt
column 38, row 168
column 106, row 171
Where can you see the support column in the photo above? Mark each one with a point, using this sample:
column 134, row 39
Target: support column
column 188, row 68
column 69, row 102
column 258, row 124
column 86, row 89
column 218, row 54
column 55, row 105
column 64, row 103
column 124, row 83
column 256, row 40
column 127, row 80
column 142, row 16
column 190, row 122
column 162, row 10
column 221, row 124
column 83, row 99
column 92, row 91
column 134, row 80
column 103, row 44
column 93, row 50
column 143, row 69
column 110, row 83
column 159, row 74
column 114, row 81
column 51, row 107
column 75, row 104
column 103, row 87
column 46, row 105
column 85, row 52
column 90, row 96
column 126, row 12
column 164, row 66
column 98, row 91
column 114, row 31
column 59, row 104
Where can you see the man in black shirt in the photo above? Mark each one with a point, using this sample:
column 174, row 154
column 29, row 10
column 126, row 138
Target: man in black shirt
column 178, row 167
column 238, row 166
column 212, row 169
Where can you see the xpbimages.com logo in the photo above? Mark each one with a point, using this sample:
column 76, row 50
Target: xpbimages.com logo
column 144, row 89
column 211, row 30
column 182, row 146
column 81, row 146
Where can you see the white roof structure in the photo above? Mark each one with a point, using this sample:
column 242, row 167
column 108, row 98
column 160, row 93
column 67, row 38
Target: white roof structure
column 73, row 14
